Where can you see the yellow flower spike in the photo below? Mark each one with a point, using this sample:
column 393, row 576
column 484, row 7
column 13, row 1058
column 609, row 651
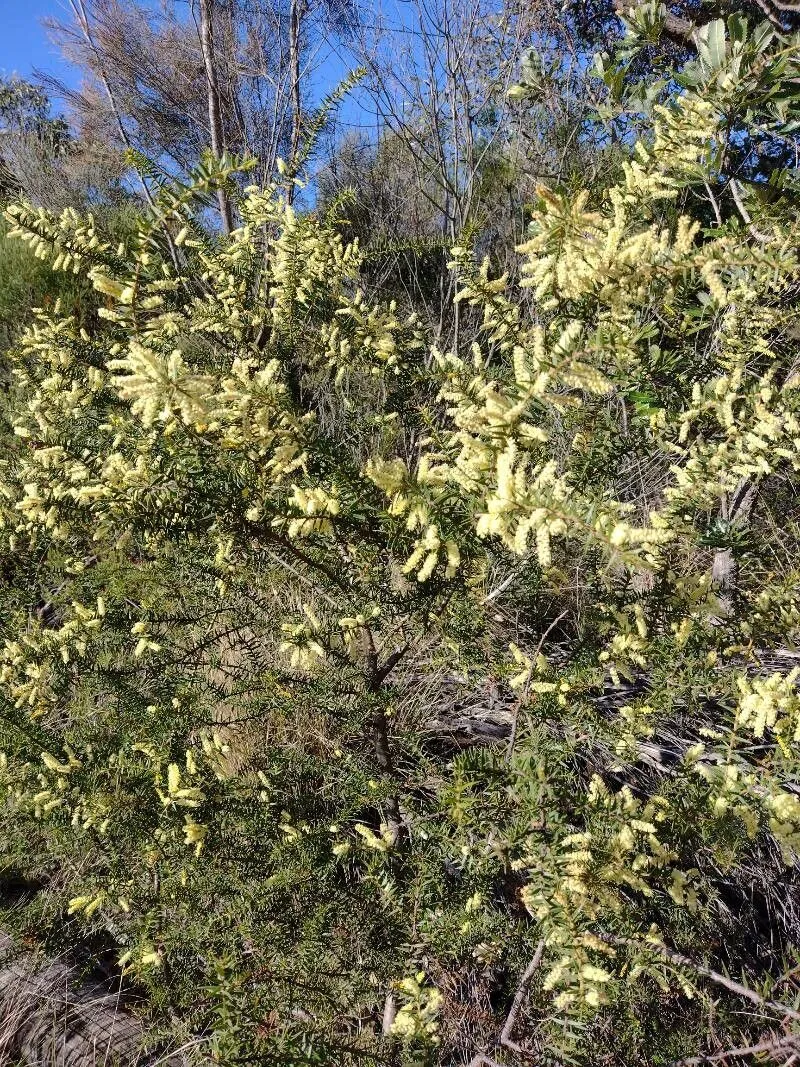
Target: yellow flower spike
column 173, row 778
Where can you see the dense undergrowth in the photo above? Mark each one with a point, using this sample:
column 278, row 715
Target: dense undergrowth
column 265, row 547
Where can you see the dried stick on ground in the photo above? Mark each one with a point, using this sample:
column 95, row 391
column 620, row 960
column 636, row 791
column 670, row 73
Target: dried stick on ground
column 522, row 989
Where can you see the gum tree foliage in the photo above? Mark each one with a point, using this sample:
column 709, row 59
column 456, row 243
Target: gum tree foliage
column 43, row 160
column 250, row 519
column 25, row 108
column 26, row 124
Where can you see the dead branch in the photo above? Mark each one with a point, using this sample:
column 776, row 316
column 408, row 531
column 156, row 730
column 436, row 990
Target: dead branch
column 699, row 968
column 783, row 1044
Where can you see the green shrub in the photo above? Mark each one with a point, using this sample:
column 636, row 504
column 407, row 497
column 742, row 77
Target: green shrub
column 254, row 526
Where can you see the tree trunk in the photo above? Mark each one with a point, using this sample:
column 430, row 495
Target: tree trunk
column 214, row 109
column 296, row 12
column 735, row 510
column 375, row 676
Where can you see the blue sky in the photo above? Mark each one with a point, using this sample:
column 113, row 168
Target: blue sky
column 24, row 47
column 23, row 42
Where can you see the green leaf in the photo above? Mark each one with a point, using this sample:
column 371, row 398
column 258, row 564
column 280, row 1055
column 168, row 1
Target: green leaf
column 737, row 29
column 711, row 44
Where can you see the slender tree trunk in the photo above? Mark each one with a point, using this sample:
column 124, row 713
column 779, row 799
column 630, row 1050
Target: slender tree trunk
column 214, row 108
column 384, row 757
column 735, row 510
column 296, row 12
column 375, row 676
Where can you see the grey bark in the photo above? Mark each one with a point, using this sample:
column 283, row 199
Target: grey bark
column 735, row 509
column 296, row 12
column 214, row 108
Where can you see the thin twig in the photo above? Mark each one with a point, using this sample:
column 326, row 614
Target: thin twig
column 777, row 1045
column 481, row 1059
column 391, row 662
column 713, row 202
column 755, row 233
column 501, row 588
column 715, row 976
column 522, row 989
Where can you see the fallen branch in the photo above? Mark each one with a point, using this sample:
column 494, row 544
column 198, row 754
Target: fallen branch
column 519, row 996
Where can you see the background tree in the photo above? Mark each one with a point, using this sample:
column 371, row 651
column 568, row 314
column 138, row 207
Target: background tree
column 467, row 158
column 41, row 159
column 151, row 76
